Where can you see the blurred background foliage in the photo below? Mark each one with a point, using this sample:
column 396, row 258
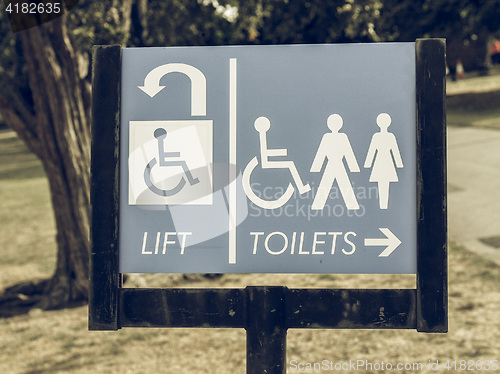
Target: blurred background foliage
column 223, row 22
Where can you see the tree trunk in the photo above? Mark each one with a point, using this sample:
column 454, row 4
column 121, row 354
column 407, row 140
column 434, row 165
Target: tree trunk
column 63, row 131
column 52, row 117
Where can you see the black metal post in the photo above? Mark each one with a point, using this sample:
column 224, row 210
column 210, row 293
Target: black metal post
column 104, row 277
column 432, row 269
column 266, row 330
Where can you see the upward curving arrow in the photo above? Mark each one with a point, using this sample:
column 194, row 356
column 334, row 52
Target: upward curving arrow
column 390, row 241
column 198, row 84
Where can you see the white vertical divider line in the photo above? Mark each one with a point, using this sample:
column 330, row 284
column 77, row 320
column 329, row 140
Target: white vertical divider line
column 232, row 161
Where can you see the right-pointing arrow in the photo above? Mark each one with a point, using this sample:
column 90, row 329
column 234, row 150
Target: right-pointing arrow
column 390, row 241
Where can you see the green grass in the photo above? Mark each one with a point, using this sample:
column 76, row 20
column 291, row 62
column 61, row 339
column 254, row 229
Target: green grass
column 27, row 231
column 475, row 110
column 479, row 118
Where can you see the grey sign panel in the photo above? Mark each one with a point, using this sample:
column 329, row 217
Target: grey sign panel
column 281, row 159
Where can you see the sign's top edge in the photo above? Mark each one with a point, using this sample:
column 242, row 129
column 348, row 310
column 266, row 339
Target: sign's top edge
column 278, row 45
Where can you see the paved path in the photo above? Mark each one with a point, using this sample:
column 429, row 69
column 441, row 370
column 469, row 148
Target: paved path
column 474, row 189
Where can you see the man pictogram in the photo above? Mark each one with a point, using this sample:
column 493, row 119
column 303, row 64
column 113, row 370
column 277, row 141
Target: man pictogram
column 335, row 147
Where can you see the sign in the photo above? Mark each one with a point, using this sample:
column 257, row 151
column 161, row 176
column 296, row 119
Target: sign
column 281, row 159
column 264, row 312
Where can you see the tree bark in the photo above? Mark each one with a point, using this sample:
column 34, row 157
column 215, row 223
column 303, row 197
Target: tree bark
column 62, row 127
column 52, row 117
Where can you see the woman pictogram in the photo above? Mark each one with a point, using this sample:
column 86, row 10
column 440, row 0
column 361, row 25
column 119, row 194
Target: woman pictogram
column 383, row 148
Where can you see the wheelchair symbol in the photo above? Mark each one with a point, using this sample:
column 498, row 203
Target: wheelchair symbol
column 160, row 134
column 262, row 125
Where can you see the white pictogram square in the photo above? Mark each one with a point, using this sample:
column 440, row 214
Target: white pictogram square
column 170, row 162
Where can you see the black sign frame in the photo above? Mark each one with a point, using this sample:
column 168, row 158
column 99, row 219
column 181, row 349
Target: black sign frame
column 266, row 313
